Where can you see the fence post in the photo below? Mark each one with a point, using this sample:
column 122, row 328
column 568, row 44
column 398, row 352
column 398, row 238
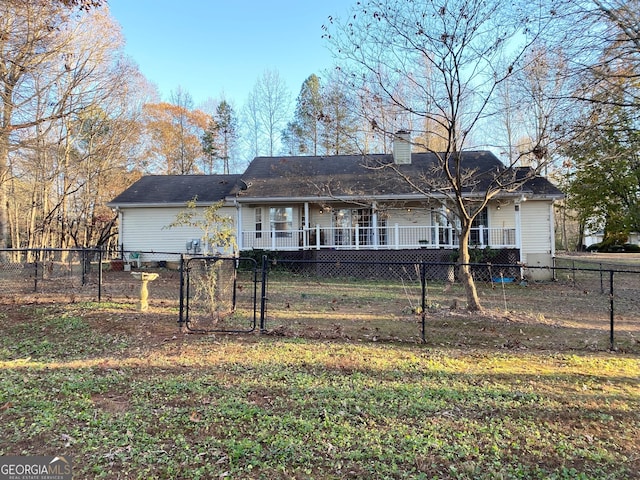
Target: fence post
column 181, row 314
column 36, row 260
column 423, row 298
column 263, row 295
column 612, row 345
column 83, row 265
column 99, row 275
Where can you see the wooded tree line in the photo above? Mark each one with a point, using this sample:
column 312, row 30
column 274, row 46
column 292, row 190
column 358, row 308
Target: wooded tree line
column 549, row 85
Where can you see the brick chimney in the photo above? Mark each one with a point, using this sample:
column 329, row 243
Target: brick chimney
column 402, row 148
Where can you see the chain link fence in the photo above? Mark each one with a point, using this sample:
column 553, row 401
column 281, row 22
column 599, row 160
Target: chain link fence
column 587, row 305
column 46, row 271
column 424, row 302
column 76, row 275
column 219, row 294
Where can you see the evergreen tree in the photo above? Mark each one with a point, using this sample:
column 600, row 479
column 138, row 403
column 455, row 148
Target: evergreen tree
column 340, row 126
column 304, row 131
column 227, row 132
column 210, row 145
column 219, row 139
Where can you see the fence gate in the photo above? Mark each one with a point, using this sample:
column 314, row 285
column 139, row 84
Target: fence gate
column 219, row 294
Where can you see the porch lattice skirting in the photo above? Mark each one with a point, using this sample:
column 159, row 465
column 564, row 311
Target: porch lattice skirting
column 388, row 264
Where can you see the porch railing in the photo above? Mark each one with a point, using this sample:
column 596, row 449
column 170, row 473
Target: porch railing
column 384, row 238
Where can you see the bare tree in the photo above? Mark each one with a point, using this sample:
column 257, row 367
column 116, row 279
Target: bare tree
column 272, row 101
column 607, row 49
column 53, row 66
column 68, row 122
column 458, row 45
column 31, row 43
column 251, row 125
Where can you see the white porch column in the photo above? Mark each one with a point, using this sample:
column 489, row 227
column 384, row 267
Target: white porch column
column 396, row 234
column 305, row 227
column 374, row 225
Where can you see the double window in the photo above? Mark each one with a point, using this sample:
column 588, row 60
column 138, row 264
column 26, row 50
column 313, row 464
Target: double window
column 281, row 221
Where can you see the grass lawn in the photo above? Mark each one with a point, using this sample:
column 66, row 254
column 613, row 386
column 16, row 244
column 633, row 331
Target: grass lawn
column 126, row 396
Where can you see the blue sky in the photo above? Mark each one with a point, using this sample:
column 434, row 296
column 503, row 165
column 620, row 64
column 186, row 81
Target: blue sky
column 216, row 47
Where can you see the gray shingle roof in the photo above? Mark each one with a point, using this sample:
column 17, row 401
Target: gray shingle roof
column 358, row 176
column 338, row 176
column 176, row 190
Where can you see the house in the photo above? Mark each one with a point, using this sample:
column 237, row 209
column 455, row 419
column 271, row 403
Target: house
column 594, row 237
column 355, row 206
column 147, row 209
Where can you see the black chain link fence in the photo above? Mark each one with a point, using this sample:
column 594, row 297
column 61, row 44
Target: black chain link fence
column 81, row 275
column 220, row 294
column 586, row 305
column 580, row 307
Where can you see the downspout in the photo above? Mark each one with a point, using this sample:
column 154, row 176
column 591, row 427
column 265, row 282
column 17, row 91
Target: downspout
column 238, row 223
column 552, row 230
column 518, row 222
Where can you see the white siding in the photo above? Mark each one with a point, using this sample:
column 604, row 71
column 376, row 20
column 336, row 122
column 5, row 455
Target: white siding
column 316, row 218
column 503, row 218
column 146, row 229
column 409, row 218
column 536, row 228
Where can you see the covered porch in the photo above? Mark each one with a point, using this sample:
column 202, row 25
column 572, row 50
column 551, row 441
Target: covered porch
column 380, row 227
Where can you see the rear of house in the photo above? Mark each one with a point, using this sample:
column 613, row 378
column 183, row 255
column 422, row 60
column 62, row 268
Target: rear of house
column 341, row 204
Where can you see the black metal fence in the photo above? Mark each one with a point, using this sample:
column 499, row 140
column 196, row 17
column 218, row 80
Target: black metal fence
column 219, row 294
column 583, row 305
column 579, row 306
column 70, row 275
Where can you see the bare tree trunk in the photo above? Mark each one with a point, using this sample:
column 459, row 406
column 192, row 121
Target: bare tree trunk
column 464, row 270
column 4, row 177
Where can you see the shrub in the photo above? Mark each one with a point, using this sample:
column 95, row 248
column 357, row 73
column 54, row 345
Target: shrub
column 594, row 247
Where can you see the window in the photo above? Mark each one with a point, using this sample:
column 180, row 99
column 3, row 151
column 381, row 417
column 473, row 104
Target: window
column 281, row 219
column 365, row 222
column 345, row 221
column 258, row 222
column 441, row 233
column 480, row 221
